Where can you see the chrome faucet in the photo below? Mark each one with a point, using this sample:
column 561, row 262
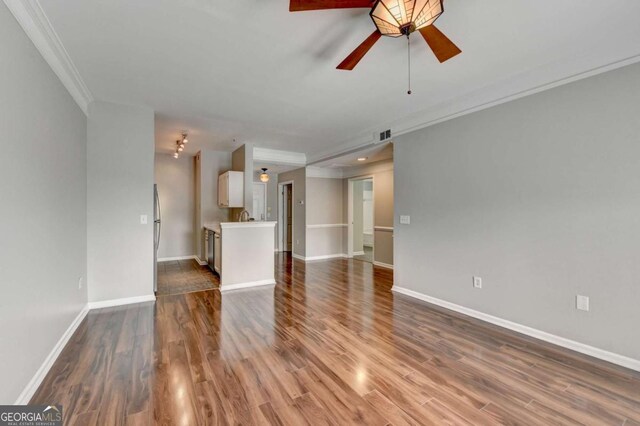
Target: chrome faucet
column 244, row 216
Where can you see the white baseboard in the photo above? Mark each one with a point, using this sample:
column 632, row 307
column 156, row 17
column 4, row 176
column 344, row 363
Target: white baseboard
column 297, row 256
column 200, row 262
column 358, row 253
column 41, row 373
column 168, row 259
column 119, row 302
column 602, row 354
column 323, row 257
column 383, row 265
column 247, row 285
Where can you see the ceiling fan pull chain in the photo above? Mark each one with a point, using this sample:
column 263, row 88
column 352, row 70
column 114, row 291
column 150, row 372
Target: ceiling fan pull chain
column 409, row 57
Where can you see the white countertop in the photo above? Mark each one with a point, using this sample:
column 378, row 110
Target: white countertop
column 217, row 226
column 251, row 224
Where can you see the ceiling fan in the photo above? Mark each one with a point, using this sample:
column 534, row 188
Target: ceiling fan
column 392, row 18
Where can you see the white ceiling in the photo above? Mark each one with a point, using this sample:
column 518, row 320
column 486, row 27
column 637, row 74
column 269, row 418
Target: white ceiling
column 272, row 169
column 373, row 154
column 251, row 71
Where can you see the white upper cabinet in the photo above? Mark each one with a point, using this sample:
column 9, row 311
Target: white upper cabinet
column 231, row 189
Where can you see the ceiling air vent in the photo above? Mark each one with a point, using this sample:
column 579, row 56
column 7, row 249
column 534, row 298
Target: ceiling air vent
column 386, row 135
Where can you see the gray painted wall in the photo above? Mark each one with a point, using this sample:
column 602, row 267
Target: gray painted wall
column 242, row 161
column 298, row 176
column 42, row 209
column 120, row 163
column 175, row 179
column 324, row 201
column 324, row 207
column 211, row 165
column 541, row 198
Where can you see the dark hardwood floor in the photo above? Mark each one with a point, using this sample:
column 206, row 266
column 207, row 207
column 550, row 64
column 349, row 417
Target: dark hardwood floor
column 329, row 344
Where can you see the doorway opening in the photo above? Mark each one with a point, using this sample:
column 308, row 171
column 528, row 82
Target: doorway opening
column 285, row 216
column 361, row 219
column 259, row 201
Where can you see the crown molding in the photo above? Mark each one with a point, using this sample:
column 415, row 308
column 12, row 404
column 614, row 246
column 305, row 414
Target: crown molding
column 522, row 85
column 276, row 156
column 323, row 172
column 36, row 25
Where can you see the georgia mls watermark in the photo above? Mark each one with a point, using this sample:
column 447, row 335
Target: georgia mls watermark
column 30, row 415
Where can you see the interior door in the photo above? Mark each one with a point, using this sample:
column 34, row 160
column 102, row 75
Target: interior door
column 288, row 211
column 259, row 201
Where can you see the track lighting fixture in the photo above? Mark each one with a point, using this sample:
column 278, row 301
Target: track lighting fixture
column 180, row 143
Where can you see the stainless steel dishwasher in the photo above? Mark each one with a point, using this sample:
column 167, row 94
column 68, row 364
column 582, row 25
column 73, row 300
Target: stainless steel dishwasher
column 210, row 249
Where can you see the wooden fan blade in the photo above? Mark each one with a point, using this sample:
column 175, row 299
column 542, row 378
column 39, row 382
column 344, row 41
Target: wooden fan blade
column 302, row 5
column 442, row 47
column 352, row 60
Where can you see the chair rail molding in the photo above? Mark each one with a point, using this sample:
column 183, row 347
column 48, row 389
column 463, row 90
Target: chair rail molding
column 383, row 228
column 36, row 25
column 327, row 225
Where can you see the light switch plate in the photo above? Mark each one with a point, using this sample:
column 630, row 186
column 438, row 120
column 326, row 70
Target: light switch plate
column 582, row 303
column 405, row 220
column 143, row 219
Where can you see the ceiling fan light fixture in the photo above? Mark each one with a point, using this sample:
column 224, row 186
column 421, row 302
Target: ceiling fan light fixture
column 395, row 18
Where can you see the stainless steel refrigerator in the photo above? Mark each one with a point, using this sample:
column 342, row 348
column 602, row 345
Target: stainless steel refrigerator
column 157, row 227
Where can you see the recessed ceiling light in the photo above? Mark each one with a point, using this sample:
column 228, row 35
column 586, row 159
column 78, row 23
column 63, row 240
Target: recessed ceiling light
column 362, row 158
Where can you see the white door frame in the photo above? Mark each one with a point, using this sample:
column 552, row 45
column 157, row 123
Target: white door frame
column 264, row 204
column 350, row 183
column 281, row 242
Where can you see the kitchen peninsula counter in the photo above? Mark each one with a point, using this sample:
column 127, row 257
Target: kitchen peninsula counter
column 242, row 253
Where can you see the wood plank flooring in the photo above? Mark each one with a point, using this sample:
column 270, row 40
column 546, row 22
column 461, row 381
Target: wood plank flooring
column 185, row 276
column 329, row 344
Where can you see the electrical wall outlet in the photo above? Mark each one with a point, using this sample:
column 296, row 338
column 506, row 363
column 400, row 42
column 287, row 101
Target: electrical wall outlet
column 477, row 282
column 143, row 219
column 80, row 283
column 405, row 220
column 582, row 303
